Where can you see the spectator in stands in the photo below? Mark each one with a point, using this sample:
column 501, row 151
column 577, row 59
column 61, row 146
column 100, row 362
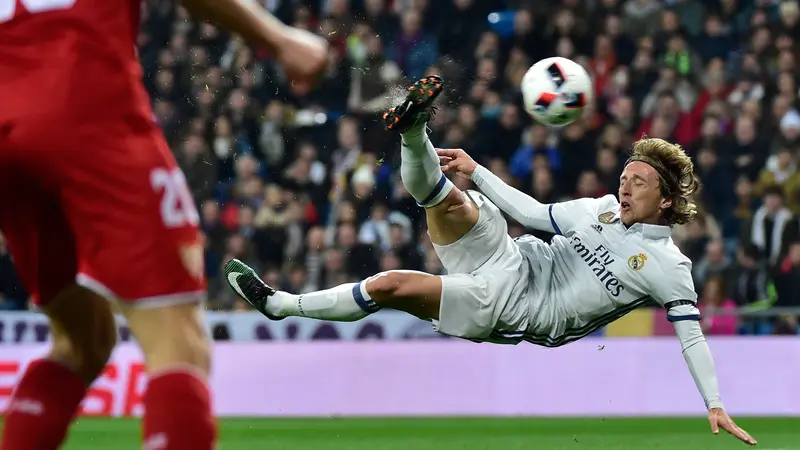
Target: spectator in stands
column 782, row 171
column 693, row 237
column 787, row 283
column 787, row 280
column 746, row 205
column 413, row 49
column 662, row 107
column 750, row 86
column 747, row 279
column 766, row 228
column 715, row 41
column 641, row 17
column 718, row 310
column 716, row 178
column 789, row 130
column 521, row 164
column 682, row 58
column 745, row 149
column 198, row 165
column 714, row 263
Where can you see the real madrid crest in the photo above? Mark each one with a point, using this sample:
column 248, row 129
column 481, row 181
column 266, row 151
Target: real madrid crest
column 607, row 217
column 636, row 262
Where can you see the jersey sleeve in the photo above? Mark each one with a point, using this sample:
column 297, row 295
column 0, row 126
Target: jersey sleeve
column 521, row 207
column 673, row 288
column 699, row 360
column 566, row 216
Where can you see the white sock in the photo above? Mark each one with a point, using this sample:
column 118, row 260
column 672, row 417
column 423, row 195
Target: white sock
column 420, row 170
column 344, row 303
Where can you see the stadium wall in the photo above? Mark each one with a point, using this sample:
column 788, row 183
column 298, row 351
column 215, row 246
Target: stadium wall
column 597, row 377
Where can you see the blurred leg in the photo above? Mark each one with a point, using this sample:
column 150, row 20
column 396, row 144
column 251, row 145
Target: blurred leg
column 177, row 400
column 49, row 393
column 83, row 330
column 138, row 242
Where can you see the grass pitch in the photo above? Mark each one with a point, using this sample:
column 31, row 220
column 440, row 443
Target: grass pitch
column 457, row 434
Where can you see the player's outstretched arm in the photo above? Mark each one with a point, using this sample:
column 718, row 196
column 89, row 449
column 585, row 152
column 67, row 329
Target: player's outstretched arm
column 701, row 364
column 673, row 288
column 521, row 207
column 302, row 54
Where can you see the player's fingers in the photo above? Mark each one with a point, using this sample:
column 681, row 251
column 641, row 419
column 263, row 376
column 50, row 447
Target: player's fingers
column 444, row 159
column 714, row 425
column 749, row 439
column 734, row 429
column 746, row 438
column 731, row 428
column 742, row 436
column 450, row 152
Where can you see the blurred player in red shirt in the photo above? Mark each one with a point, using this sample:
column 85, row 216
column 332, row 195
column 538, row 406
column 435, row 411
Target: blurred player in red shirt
column 95, row 209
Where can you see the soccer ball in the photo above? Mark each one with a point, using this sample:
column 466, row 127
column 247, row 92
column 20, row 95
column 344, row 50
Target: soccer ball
column 555, row 91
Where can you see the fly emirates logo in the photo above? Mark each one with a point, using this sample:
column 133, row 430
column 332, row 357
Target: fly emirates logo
column 598, row 260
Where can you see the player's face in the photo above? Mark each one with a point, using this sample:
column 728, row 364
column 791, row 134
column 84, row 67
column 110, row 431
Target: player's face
column 640, row 195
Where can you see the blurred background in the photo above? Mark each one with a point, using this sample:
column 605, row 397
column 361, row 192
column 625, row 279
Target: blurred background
column 307, row 189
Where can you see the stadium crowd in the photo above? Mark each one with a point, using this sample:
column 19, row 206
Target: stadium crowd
column 306, row 188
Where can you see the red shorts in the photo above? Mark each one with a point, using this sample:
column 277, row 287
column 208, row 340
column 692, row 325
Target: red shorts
column 101, row 204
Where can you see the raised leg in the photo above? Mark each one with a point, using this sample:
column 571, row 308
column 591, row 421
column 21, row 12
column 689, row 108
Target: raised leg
column 450, row 215
column 449, row 212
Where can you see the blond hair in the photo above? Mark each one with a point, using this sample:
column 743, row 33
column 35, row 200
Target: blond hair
column 676, row 173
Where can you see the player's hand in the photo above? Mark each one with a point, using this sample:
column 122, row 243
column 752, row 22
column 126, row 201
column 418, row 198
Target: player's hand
column 718, row 418
column 304, row 57
column 456, row 161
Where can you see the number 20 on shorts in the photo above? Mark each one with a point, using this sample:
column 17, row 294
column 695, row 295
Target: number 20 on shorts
column 177, row 205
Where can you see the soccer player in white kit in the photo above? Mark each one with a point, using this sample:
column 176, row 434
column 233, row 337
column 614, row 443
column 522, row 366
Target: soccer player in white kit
column 608, row 256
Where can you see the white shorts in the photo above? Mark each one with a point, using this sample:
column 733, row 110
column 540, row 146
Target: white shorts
column 488, row 279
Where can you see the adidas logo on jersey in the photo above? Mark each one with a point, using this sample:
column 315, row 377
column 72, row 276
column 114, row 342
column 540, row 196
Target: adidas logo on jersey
column 597, row 227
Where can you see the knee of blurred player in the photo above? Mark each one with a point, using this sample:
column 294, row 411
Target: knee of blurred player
column 171, row 336
column 47, row 397
column 83, row 331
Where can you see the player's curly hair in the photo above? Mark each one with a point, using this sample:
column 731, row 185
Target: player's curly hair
column 676, row 173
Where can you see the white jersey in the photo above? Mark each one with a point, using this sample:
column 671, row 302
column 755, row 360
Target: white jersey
column 596, row 270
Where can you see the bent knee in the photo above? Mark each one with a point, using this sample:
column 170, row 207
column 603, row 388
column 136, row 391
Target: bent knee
column 172, row 336
column 86, row 355
column 84, row 332
column 401, row 283
column 187, row 348
column 387, row 284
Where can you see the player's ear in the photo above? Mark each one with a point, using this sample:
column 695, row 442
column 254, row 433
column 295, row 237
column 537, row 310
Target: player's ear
column 666, row 203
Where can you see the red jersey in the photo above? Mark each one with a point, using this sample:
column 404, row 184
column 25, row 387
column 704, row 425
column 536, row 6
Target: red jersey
column 75, row 57
column 91, row 192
